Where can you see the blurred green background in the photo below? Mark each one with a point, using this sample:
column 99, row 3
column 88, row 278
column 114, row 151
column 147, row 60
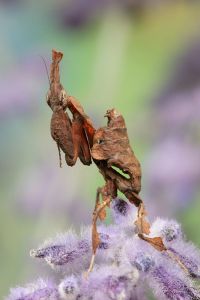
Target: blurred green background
column 141, row 57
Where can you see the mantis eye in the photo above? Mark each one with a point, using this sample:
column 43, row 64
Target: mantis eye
column 63, row 95
column 63, row 99
column 100, row 141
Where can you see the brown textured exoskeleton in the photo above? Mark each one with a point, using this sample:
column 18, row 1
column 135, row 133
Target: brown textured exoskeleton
column 109, row 148
column 70, row 136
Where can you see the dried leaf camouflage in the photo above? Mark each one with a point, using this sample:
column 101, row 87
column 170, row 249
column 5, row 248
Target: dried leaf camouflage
column 109, row 147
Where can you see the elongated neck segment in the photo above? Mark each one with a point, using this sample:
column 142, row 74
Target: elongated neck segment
column 55, row 72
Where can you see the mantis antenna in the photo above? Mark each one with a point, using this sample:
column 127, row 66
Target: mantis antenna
column 45, row 64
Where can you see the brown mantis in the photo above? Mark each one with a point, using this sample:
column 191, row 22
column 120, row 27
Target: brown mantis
column 108, row 147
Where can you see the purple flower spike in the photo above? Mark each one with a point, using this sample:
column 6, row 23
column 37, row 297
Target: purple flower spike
column 116, row 287
column 69, row 288
column 40, row 290
column 173, row 287
column 189, row 262
column 170, row 230
column 189, row 255
column 185, row 252
column 104, row 241
column 56, row 255
column 121, row 207
column 121, row 211
column 66, row 251
column 143, row 262
column 110, row 283
column 125, row 268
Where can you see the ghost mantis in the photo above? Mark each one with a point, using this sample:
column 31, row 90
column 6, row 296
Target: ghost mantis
column 108, row 147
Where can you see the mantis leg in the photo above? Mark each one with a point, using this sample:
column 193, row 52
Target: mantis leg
column 59, row 153
column 80, row 144
column 84, row 153
column 99, row 212
column 61, row 132
column 76, row 136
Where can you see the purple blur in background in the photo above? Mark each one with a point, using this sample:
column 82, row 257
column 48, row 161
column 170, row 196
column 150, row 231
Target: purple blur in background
column 141, row 57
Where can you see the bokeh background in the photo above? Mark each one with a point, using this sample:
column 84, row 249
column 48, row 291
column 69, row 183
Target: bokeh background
column 139, row 56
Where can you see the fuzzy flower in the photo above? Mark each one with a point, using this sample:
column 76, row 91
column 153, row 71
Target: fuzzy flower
column 169, row 230
column 173, row 287
column 126, row 267
column 172, row 235
column 39, row 290
column 64, row 252
column 68, row 288
column 120, row 210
